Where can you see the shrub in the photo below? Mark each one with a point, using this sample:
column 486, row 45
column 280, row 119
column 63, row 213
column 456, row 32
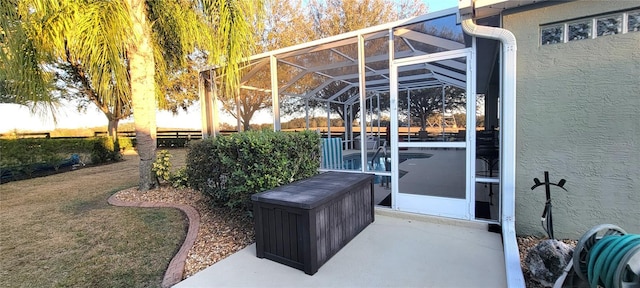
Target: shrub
column 232, row 168
column 179, row 179
column 104, row 150
column 125, row 143
column 162, row 166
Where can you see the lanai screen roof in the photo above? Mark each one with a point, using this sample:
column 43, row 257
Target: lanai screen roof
column 327, row 69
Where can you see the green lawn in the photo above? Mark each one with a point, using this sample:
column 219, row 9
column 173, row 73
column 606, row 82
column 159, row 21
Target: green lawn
column 59, row 231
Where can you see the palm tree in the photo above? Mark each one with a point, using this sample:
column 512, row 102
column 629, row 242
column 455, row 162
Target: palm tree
column 125, row 46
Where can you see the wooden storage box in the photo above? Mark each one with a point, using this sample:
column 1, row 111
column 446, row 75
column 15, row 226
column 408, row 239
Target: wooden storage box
column 304, row 223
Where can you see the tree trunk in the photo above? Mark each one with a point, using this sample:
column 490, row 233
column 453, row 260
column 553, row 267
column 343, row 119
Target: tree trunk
column 246, row 120
column 141, row 71
column 112, row 127
column 112, row 130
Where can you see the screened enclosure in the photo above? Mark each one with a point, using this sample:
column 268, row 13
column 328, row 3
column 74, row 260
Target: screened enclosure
column 414, row 102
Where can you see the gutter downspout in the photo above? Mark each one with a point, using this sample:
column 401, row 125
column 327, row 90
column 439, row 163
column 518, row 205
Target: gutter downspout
column 508, row 140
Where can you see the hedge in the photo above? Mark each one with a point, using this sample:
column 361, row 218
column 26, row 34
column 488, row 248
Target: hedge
column 231, row 168
column 19, row 158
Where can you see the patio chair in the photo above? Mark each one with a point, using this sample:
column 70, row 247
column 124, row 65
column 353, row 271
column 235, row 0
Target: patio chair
column 487, row 150
column 332, row 153
column 423, row 135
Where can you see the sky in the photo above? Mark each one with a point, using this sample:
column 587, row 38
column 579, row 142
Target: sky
column 16, row 117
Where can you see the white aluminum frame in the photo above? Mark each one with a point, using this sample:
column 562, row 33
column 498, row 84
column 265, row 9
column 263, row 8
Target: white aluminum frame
column 438, row 206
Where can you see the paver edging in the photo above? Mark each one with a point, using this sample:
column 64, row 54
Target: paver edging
column 174, row 272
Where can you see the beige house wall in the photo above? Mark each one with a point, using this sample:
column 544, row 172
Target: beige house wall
column 578, row 117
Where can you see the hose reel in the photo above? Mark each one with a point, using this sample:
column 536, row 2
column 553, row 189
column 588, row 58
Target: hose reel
column 609, row 257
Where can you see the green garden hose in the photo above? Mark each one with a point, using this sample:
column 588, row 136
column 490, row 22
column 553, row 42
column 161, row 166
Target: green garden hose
column 604, row 260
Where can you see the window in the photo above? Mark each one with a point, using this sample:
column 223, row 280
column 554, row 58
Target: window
column 552, row 34
column 609, row 25
column 580, row 30
column 590, row 27
column 633, row 21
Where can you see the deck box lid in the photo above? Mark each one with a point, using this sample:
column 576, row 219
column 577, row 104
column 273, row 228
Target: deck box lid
column 314, row 191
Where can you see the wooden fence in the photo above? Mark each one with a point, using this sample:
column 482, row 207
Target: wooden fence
column 165, row 138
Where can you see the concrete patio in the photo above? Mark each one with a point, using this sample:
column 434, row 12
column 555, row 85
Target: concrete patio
column 397, row 250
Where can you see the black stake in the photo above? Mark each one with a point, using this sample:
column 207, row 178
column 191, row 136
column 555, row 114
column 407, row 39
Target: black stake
column 546, row 214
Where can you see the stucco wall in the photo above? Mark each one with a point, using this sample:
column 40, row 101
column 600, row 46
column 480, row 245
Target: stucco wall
column 578, row 116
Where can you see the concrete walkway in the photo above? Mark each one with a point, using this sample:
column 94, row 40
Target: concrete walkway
column 397, row 250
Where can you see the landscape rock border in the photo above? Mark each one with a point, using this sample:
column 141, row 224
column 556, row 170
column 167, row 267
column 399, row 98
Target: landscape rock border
column 174, row 272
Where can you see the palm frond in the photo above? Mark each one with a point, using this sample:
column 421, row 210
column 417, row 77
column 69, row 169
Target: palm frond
column 234, row 23
column 22, row 77
column 177, row 29
column 99, row 41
